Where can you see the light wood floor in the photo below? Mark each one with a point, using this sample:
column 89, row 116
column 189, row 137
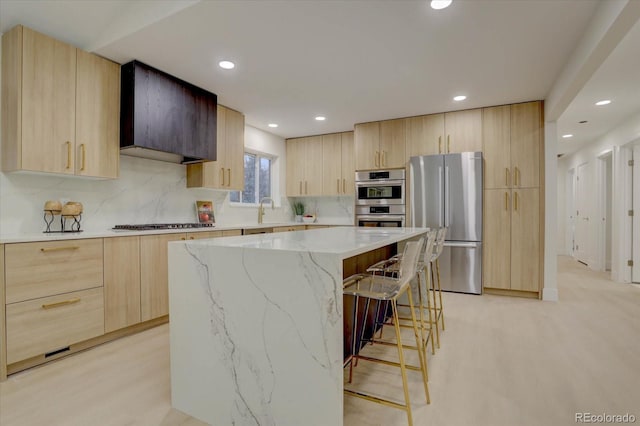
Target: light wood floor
column 503, row 361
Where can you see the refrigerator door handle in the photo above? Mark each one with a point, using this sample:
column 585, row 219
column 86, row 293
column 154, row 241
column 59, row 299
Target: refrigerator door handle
column 440, row 194
column 461, row 244
column 447, row 217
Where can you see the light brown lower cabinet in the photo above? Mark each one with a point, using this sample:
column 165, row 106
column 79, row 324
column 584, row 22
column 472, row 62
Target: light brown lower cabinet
column 40, row 326
column 289, row 228
column 121, row 282
column 203, row 235
column 154, row 274
column 512, row 240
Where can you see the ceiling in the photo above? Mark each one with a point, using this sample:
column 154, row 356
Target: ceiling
column 351, row 61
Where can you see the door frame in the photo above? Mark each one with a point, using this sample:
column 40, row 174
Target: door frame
column 622, row 222
column 635, row 198
column 570, row 190
column 582, row 210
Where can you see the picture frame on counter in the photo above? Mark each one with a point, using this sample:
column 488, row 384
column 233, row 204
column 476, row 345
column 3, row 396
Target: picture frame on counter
column 204, row 211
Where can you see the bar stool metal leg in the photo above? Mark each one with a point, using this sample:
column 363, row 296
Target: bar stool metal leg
column 440, row 310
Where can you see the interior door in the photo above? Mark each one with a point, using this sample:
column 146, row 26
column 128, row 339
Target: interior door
column 581, row 249
column 635, row 171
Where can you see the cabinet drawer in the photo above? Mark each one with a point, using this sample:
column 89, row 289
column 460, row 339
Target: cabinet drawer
column 289, row 228
column 35, row 270
column 43, row 325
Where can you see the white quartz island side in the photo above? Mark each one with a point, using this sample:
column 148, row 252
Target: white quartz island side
column 256, row 324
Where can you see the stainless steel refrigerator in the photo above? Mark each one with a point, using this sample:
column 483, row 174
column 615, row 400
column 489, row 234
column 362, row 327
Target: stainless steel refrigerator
column 446, row 190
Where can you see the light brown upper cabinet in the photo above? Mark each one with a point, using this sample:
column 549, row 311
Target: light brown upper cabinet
column 60, row 107
column 463, row 131
column 97, row 116
column 338, row 165
column 512, row 137
column 304, row 166
column 424, row 135
column 380, row 144
column 227, row 172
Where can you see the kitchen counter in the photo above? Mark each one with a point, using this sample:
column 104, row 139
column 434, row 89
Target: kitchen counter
column 7, row 238
column 256, row 324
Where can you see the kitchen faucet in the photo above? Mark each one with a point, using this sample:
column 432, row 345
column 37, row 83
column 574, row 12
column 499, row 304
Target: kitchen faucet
column 261, row 209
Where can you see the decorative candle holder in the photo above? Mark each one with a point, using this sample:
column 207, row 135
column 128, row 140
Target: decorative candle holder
column 70, row 216
column 75, row 224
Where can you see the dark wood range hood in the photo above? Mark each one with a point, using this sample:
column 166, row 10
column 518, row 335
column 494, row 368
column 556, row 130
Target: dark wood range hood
column 165, row 118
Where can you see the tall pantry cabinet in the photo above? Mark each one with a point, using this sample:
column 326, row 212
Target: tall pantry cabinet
column 513, row 210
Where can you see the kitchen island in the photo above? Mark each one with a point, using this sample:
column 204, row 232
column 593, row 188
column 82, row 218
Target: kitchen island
column 257, row 324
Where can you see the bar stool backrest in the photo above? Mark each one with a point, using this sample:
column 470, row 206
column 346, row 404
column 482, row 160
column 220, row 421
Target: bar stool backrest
column 439, row 244
column 429, row 245
column 409, row 262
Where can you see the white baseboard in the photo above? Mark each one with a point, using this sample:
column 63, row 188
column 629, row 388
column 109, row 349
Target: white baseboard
column 550, row 294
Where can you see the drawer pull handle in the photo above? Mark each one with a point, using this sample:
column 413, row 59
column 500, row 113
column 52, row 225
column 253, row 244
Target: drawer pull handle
column 44, row 250
column 63, row 303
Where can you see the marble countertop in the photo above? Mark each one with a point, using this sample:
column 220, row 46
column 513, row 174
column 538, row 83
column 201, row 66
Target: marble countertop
column 345, row 241
column 7, row 238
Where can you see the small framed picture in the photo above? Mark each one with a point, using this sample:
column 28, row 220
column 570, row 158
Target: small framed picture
column 204, row 210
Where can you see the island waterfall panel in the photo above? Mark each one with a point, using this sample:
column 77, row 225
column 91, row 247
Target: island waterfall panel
column 269, row 327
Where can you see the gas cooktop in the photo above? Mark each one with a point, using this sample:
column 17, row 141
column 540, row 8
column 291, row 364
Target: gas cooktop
column 160, row 226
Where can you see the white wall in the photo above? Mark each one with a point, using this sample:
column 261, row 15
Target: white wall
column 614, row 142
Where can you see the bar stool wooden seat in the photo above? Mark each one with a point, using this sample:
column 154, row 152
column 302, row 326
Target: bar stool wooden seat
column 388, row 289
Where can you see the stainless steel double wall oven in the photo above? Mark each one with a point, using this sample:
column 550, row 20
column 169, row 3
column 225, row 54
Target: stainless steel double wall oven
column 380, row 197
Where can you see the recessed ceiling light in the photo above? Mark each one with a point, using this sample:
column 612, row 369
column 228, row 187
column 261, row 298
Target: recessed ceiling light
column 459, row 98
column 320, row 118
column 567, row 136
column 604, row 102
column 272, row 125
column 227, row 65
column 440, row 4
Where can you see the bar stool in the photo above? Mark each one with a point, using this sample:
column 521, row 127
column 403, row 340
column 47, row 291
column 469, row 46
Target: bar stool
column 389, row 267
column 437, row 288
column 388, row 289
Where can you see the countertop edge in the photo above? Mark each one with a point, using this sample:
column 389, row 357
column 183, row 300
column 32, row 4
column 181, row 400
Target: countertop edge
column 40, row 237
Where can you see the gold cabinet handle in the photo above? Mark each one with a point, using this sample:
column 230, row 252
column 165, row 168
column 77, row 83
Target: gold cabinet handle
column 377, row 159
column 344, row 186
column 506, row 201
column 45, row 250
column 448, row 144
column 221, row 176
column 228, row 177
column 384, row 158
column 84, row 155
column 439, row 144
column 517, row 176
column 515, row 201
column 506, row 176
column 306, row 189
column 183, row 238
column 58, row 304
column 300, row 187
column 192, row 238
column 68, row 155
column 338, row 185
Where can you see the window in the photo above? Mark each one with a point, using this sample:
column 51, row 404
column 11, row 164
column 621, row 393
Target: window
column 257, row 179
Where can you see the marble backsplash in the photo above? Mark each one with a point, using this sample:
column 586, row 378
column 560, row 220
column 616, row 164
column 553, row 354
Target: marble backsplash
column 147, row 192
